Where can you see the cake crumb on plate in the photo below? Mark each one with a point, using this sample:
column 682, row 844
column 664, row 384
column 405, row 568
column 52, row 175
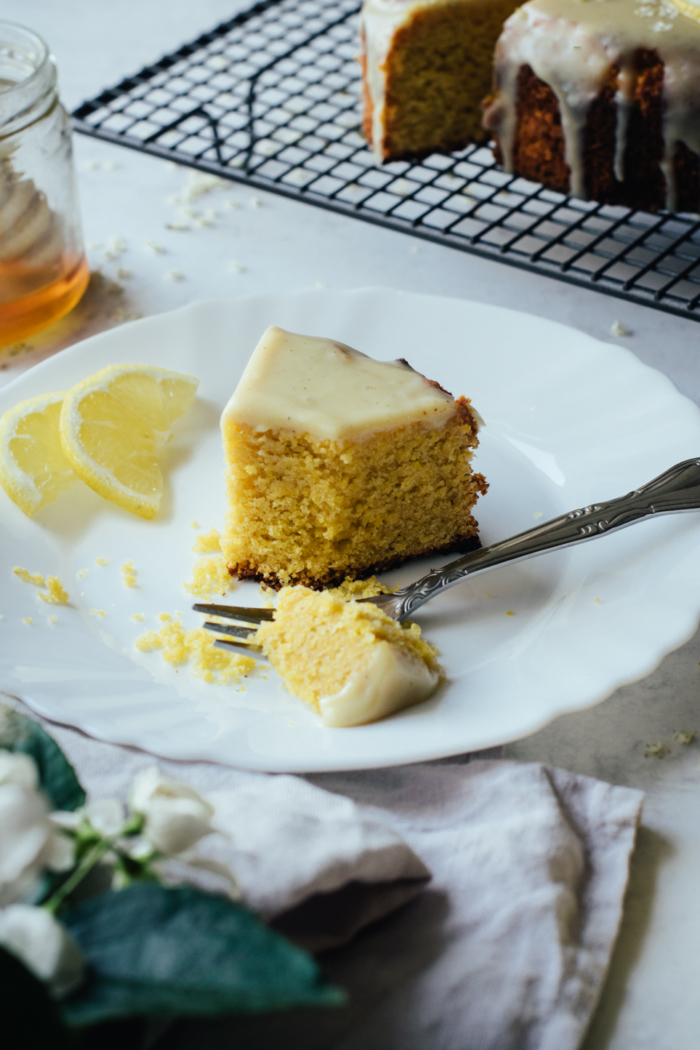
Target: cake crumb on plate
column 209, row 576
column 56, row 593
column 618, row 329
column 27, row 577
column 179, row 646
column 208, row 542
column 128, row 574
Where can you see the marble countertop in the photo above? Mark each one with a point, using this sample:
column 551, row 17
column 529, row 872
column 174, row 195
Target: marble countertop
column 267, row 243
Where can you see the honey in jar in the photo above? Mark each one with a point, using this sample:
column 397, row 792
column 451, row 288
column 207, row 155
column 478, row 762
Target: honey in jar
column 43, row 270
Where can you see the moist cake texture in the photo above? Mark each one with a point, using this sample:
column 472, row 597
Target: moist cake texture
column 427, row 65
column 601, row 99
column 349, row 661
column 338, row 466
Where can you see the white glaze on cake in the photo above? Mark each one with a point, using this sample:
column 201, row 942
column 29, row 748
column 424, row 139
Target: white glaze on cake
column 327, row 389
column 571, row 45
column 390, row 681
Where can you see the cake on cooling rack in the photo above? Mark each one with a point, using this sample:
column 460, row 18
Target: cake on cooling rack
column 601, row 100
column 427, row 66
column 349, row 661
column 339, row 466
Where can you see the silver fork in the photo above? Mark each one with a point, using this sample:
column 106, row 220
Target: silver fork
column 677, row 489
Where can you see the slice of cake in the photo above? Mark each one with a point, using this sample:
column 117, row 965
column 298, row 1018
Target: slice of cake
column 339, row 466
column 427, row 65
column 601, row 100
column 349, row 661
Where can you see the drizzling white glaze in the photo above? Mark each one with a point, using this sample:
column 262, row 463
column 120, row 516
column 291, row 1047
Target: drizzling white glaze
column 571, row 46
column 325, row 388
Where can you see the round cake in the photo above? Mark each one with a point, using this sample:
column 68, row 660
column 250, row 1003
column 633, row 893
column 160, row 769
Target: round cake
column 601, row 99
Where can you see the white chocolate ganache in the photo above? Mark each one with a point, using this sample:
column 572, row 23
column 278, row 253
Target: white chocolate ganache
column 571, row 46
column 325, row 388
column 389, row 681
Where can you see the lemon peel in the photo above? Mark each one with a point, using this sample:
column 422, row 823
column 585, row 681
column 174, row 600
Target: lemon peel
column 113, row 425
column 688, row 8
column 33, row 466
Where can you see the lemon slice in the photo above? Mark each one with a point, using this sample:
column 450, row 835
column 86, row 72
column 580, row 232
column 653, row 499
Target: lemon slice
column 33, row 466
column 114, row 423
column 688, row 8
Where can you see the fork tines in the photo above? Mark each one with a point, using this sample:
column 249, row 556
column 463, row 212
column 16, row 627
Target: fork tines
column 240, row 635
column 233, row 612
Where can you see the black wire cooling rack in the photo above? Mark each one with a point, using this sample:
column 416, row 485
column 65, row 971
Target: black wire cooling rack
column 270, row 98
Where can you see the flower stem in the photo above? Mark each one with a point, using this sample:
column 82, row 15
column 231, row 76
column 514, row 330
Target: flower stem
column 91, row 858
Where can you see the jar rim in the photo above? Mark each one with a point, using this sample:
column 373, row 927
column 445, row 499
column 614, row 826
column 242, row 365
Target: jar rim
column 18, row 101
column 40, row 45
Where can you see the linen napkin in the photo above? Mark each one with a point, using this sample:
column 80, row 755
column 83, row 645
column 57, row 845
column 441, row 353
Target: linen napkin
column 506, row 949
column 508, row 946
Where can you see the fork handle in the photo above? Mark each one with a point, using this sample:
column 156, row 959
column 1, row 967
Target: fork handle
column 677, row 489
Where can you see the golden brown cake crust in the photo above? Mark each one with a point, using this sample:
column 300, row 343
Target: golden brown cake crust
column 461, row 545
column 539, row 149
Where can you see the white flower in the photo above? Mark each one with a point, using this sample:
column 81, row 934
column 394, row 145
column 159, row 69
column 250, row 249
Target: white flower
column 29, row 842
column 176, row 816
column 43, row 945
column 18, row 769
column 106, row 816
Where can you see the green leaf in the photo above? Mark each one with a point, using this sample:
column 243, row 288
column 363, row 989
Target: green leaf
column 30, row 1018
column 169, row 952
column 56, row 775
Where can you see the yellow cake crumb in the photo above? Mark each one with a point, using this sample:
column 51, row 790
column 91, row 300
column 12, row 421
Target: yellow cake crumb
column 510, row 613
column 52, row 619
column 657, row 750
column 102, row 561
column 128, row 574
column 207, row 542
column 209, row 576
column 360, row 589
column 28, row 619
column 82, row 573
column 56, row 594
column 178, row 646
column 164, row 617
column 37, row 579
column 138, row 616
column 97, row 612
column 683, row 736
column 195, row 524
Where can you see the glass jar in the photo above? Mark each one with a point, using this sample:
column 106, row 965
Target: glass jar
column 43, row 269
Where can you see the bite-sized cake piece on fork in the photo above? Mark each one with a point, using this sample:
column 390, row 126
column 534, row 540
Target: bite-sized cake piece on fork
column 339, row 466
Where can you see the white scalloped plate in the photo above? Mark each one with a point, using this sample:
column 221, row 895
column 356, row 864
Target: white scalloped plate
column 569, row 421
